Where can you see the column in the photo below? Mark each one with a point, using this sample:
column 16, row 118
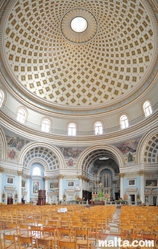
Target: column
column 1, row 171
column 80, row 177
column 121, row 184
column 142, row 195
column 19, row 186
column 61, row 187
column 46, row 178
column 28, row 188
column 114, row 189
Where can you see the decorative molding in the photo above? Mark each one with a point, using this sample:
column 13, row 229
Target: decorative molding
column 70, row 177
column 141, row 172
column 1, row 169
column 9, row 188
column 60, row 176
column 79, row 177
column 20, row 173
column 131, row 189
column 28, row 177
column 46, row 178
column 122, row 175
column 24, row 193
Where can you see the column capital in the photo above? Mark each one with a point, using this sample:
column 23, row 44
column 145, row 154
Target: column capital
column 61, row 176
column 1, row 169
column 28, row 177
column 141, row 172
column 80, row 177
column 46, row 178
column 19, row 173
column 122, row 175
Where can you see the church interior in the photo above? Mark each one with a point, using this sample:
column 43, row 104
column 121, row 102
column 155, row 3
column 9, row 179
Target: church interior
column 79, row 110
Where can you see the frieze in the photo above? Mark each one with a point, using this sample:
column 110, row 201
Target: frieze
column 70, row 177
column 10, row 188
column 131, row 189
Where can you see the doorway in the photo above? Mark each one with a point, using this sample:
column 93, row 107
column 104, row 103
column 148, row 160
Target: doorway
column 132, row 197
column 154, row 200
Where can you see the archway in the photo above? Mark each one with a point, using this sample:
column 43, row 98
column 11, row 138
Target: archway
column 101, row 165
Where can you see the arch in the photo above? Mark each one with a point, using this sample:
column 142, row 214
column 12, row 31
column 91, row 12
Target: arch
column 3, row 145
column 48, row 147
column 40, row 161
column 106, row 167
column 146, row 145
column 109, row 150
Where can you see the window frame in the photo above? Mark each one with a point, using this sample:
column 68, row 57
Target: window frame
column 124, row 123
column 71, row 131
column 147, row 109
column 34, row 169
column 21, row 118
column 45, row 127
column 98, row 129
column 2, row 96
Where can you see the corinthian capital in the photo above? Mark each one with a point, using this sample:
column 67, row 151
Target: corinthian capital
column 122, row 175
column 141, row 172
column 1, row 169
column 19, row 173
column 61, row 176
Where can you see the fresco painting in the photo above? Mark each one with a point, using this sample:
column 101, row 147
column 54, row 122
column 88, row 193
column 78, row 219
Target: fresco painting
column 14, row 144
column 71, row 152
column 128, row 146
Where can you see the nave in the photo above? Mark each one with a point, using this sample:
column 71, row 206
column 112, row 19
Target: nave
column 76, row 226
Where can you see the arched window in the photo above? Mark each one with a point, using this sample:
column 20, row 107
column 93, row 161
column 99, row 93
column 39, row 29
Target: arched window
column 21, row 115
column 147, row 108
column 1, row 98
column 72, row 129
column 36, row 171
column 106, row 180
column 124, row 122
column 45, row 125
column 98, row 128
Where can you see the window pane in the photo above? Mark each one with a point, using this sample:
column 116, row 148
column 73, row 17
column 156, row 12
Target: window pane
column 21, row 116
column 147, row 109
column 36, row 171
column 45, row 125
column 124, row 122
column 98, row 128
column 1, row 98
column 72, row 129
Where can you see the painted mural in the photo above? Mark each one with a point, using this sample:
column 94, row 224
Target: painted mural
column 14, row 145
column 71, row 155
column 128, row 149
column 71, row 152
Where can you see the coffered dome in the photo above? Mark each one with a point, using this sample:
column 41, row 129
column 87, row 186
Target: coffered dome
column 106, row 63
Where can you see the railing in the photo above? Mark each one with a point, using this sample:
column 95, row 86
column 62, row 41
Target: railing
column 37, row 127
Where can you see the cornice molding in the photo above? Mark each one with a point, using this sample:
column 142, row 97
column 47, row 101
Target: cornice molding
column 136, row 130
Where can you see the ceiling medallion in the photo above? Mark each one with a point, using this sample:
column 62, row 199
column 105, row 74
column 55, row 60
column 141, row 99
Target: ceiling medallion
column 79, row 25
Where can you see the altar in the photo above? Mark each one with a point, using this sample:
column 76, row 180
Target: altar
column 93, row 202
column 103, row 197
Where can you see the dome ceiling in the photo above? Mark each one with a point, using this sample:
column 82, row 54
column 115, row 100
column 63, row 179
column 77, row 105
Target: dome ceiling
column 102, row 65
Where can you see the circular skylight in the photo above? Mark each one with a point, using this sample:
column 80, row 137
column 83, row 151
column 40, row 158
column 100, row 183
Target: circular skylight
column 79, row 24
